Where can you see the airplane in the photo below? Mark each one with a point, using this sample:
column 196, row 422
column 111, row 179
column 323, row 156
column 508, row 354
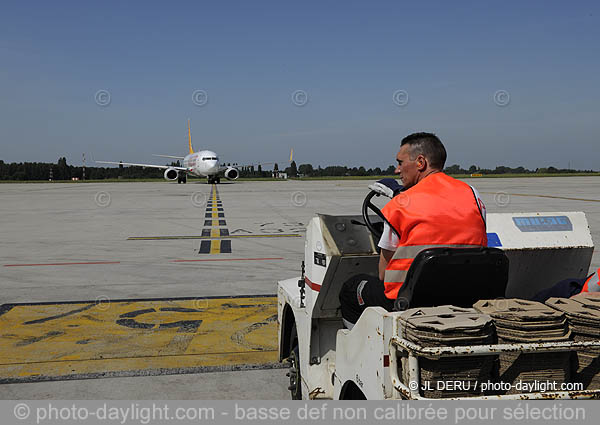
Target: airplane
column 200, row 164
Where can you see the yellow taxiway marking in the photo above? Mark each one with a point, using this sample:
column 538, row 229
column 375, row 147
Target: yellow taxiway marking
column 158, row 238
column 215, row 233
column 215, row 246
column 46, row 341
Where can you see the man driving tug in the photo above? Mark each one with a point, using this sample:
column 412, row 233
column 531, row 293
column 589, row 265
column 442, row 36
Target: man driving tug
column 432, row 209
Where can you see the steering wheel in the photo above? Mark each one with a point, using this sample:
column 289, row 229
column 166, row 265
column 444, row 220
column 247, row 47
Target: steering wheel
column 376, row 229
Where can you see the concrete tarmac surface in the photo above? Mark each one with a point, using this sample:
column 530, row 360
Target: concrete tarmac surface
column 86, row 258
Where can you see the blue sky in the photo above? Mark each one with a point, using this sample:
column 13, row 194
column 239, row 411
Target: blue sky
column 349, row 57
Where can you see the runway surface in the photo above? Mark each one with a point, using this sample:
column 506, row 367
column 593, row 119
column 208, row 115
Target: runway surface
column 129, row 279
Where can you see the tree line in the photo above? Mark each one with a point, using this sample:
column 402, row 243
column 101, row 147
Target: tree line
column 307, row 170
column 62, row 171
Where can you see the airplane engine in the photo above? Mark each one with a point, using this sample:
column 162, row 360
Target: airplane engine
column 171, row 174
column 232, row 173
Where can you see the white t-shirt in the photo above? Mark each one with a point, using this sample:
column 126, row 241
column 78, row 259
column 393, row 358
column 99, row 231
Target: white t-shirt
column 390, row 241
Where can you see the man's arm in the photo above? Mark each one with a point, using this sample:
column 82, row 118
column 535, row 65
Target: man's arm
column 384, row 258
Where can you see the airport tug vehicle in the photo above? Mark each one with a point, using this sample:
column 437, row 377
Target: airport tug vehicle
column 433, row 335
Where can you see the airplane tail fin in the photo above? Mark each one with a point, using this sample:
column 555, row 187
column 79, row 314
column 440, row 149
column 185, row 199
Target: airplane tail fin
column 291, row 154
column 190, row 137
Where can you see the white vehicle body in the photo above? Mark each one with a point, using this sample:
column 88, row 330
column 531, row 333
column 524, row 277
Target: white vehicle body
column 336, row 363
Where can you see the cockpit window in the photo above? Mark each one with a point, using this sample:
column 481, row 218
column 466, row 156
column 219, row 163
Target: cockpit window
column 209, row 158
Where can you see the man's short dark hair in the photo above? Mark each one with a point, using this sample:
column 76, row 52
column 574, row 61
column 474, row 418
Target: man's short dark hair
column 428, row 145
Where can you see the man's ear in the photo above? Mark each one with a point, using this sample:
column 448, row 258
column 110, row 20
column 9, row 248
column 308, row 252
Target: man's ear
column 421, row 163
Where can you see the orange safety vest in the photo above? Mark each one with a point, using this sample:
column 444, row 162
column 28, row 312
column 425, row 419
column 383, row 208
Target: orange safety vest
column 438, row 211
column 593, row 283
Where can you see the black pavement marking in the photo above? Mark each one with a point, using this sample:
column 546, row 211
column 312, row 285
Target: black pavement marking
column 60, row 316
column 207, row 215
column 221, row 214
column 133, row 324
column 226, row 247
column 205, row 232
column 187, row 326
column 5, row 308
column 222, row 223
column 224, row 232
column 182, row 309
column 228, row 305
column 137, row 312
column 204, row 247
column 34, row 339
column 208, row 222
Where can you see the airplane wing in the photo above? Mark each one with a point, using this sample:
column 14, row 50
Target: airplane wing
column 162, row 167
column 169, row 156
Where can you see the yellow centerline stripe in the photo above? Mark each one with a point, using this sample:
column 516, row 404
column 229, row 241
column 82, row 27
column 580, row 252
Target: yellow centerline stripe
column 215, row 246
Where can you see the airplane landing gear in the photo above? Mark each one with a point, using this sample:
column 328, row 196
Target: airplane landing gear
column 182, row 179
column 214, row 180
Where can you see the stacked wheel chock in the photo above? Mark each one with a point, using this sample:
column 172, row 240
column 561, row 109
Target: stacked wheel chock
column 448, row 326
column 583, row 315
column 520, row 322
